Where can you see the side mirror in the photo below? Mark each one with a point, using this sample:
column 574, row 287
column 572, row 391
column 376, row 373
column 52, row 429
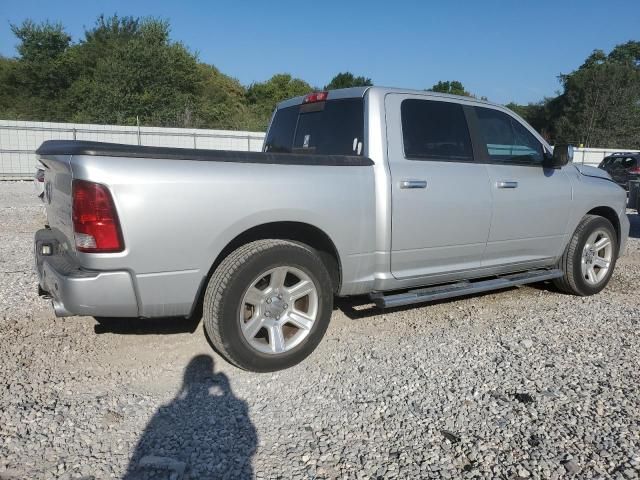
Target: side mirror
column 562, row 154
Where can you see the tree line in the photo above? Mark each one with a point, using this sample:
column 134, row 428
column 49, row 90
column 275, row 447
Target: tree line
column 127, row 69
column 599, row 105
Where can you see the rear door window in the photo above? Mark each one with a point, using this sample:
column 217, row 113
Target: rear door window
column 433, row 130
column 506, row 139
column 333, row 127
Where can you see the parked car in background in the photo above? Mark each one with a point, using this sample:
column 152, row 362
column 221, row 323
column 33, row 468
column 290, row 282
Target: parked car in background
column 622, row 167
column 405, row 196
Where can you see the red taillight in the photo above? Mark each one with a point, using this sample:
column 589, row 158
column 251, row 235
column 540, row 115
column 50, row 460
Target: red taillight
column 635, row 170
column 315, row 97
column 95, row 221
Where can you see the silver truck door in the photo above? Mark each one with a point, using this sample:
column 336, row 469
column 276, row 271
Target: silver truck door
column 441, row 199
column 530, row 203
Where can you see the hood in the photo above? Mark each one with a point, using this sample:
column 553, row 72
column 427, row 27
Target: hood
column 589, row 171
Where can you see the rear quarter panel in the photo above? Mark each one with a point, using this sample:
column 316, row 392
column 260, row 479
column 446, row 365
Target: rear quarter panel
column 177, row 216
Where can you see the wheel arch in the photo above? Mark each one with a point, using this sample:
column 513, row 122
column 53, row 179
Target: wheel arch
column 611, row 215
column 285, row 230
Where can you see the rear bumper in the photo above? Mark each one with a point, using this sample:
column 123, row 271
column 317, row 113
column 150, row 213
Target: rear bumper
column 75, row 291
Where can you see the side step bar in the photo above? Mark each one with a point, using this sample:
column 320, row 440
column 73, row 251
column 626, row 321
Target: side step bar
column 459, row 289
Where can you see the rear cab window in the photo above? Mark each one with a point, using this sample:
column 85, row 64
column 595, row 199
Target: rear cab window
column 331, row 127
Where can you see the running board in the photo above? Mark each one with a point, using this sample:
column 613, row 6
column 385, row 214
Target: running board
column 466, row 287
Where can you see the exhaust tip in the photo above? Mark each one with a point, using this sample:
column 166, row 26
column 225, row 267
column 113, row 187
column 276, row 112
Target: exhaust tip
column 59, row 309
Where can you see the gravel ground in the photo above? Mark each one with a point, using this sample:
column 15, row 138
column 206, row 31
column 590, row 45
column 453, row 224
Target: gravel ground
column 525, row 383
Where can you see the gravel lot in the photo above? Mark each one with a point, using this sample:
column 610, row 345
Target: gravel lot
column 525, row 383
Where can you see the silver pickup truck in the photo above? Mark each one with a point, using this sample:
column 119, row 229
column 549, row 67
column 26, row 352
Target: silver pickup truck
column 405, row 196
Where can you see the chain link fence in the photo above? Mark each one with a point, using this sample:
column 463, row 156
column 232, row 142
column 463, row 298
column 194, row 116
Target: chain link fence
column 19, row 140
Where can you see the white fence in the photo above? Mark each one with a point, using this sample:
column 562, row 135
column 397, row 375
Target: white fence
column 19, row 140
column 593, row 156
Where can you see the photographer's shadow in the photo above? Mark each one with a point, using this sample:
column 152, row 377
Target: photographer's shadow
column 205, row 432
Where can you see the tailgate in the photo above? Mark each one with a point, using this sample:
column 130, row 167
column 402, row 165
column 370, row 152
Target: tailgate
column 57, row 198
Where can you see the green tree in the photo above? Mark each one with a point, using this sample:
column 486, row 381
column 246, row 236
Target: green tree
column 107, row 34
column 262, row 97
column 133, row 70
column 42, row 72
column 539, row 115
column 7, row 88
column 600, row 104
column 626, row 53
column 452, row 87
column 522, row 110
column 347, row 80
column 221, row 101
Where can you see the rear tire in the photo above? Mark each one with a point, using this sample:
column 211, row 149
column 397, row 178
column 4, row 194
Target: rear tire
column 590, row 257
column 268, row 305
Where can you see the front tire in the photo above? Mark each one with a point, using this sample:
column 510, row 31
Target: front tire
column 268, row 305
column 590, row 257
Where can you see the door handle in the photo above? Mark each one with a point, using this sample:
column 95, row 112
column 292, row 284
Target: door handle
column 413, row 184
column 507, row 184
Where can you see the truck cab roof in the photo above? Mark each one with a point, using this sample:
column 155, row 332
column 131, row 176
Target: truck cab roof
column 358, row 92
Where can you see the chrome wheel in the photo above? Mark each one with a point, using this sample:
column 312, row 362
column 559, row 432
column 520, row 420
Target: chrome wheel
column 278, row 310
column 596, row 257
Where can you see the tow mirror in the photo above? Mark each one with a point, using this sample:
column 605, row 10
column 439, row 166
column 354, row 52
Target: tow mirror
column 562, row 154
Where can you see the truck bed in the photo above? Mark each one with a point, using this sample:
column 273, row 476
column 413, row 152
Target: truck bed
column 179, row 208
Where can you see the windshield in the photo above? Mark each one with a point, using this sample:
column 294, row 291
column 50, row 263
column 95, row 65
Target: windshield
column 334, row 127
